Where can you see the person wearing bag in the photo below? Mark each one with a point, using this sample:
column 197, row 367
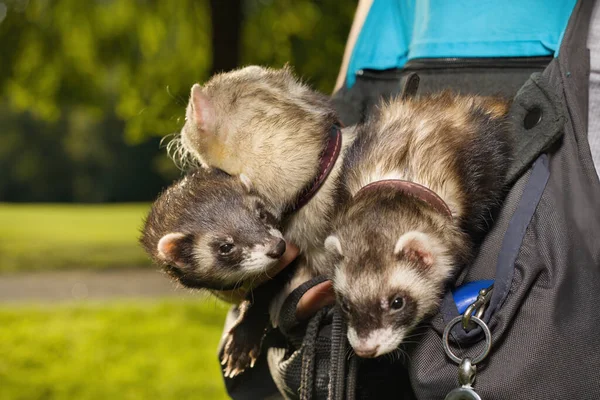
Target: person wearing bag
column 543, row 251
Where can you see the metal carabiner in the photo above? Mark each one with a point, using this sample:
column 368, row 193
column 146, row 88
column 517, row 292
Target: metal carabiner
column 478, row 308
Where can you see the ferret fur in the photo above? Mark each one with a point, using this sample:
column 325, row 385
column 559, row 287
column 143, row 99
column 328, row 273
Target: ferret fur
column 266, row 124
column 394, row 250
column 207, row 209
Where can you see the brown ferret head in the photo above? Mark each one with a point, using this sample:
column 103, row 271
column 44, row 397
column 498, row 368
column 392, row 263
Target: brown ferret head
column 393, row 258
column 261, row 122
column 212, row 231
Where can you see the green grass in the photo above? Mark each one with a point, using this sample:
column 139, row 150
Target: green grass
column 54, row 237
column 127, row 350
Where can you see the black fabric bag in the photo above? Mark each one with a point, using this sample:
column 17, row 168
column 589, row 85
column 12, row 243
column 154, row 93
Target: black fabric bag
column 543, row 253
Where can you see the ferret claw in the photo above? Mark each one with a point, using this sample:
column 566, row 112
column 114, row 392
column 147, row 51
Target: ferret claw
column 231, row 372
column 238, row 355
column 242, row 344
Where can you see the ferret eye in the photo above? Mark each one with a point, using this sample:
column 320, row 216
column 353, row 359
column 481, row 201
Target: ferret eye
column 262, row 214
column 397, row 303
column 225, row 248
column 344, row 306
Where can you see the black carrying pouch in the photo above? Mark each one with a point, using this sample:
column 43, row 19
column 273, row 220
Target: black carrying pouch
column 489, row 76
column 543, row 252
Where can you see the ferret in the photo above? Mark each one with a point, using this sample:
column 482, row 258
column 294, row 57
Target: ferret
column 423, row 177
column 267, row 125
column 212, row 231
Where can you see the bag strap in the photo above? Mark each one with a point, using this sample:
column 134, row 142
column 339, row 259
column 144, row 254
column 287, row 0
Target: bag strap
column 548, row 117
column 538, row 118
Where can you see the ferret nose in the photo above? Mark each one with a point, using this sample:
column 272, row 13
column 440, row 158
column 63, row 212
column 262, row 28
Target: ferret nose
column 367, row 352
column 276, row 248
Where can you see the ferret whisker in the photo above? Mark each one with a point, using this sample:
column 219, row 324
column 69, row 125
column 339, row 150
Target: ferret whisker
column 254, row 278
column 178, row 99
column 405, row 353
column 398, row 354
column 415, row 335
column 180, row 155
column 266, row 272
column 350, row 353
column 390, row 356
column 240, row 281
column 166, row 140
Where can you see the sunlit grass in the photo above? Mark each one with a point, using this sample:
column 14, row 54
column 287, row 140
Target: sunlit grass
column 133, row 350
column 50, row 237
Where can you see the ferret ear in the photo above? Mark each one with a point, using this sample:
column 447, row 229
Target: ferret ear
column 200, row 110
column 332, row 244
column 170, row 248
column 415, row 246
column 246, row 182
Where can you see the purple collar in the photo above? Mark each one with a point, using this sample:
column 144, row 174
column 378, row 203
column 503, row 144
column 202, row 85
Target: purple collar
column 326, row 163
column 415, row 190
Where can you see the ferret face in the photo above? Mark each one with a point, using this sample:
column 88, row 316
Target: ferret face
column 243, row 245
column 213, row 233
column 386, row 285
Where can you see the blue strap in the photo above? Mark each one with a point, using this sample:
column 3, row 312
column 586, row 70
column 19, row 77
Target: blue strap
column 509, row 250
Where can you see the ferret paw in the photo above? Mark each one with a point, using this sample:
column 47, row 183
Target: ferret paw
column 238, row 355
column 242, row 342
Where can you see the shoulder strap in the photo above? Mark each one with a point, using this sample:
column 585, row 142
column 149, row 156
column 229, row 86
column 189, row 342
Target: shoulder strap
column 574, row 71
column 540, row 107
column 538, row 117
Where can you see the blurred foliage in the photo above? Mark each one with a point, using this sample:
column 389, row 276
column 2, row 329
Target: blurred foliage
column 118, row 350
column 309, row 35
column 105, row 57
column 87, row 88
column 58, row 237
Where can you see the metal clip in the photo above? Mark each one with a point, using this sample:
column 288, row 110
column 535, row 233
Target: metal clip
column 466, row 378
column 484, row 352
column 478, row 308
column 467, row 367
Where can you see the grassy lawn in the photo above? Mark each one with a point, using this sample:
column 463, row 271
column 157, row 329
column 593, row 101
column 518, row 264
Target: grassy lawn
column 51, row 237
column 117, row 350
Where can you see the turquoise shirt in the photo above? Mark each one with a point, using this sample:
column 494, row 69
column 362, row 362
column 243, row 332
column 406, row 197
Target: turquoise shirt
column 396, row 31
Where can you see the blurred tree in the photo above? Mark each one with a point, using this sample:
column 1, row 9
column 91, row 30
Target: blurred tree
column 309, row 35
column 87, row 88
column 86, row 85
column 226, row 26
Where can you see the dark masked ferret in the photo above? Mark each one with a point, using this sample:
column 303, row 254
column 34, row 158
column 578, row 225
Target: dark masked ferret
column 212, row 231
column 423, row 176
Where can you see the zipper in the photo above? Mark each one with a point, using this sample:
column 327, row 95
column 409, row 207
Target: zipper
column 483, row 62
column 380, row 73
column 455, row 62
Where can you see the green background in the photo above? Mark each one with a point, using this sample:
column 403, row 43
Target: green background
column 87, row 91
